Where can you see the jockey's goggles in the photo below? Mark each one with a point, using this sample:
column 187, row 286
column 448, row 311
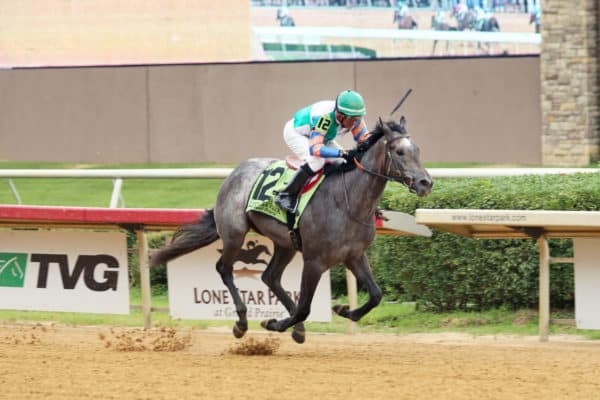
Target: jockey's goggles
column 354, row 119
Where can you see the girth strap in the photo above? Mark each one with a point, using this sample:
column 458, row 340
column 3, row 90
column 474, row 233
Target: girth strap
column 294, row 233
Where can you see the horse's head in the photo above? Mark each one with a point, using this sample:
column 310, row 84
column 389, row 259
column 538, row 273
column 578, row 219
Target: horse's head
column 402, row 163
column 407, row 22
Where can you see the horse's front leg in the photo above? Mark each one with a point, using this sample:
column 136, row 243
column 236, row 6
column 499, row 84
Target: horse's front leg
column 362, row 271
column 311, row 274
column 272, row 278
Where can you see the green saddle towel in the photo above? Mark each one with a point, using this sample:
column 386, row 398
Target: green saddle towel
column 272, row 180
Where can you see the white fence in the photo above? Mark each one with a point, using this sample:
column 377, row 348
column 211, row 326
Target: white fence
column 318, row 35
column 117, row 175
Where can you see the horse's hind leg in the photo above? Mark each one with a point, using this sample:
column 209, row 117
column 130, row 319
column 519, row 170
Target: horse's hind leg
column 272, row 278
column 225, row 268
column 362, row 271
column 311, row 274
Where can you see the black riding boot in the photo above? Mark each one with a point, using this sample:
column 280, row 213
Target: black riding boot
column 288, row 197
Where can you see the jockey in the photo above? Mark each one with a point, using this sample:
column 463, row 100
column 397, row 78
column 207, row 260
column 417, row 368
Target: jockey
column 403, row 10
column 439, row 17
column 481, row 16
column 311, row 133
column 460, row 10
column 480, row 13
column 535, row 15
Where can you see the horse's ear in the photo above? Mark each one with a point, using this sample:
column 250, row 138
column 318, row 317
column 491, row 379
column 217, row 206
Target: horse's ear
column 385, row 128
column 402, row 122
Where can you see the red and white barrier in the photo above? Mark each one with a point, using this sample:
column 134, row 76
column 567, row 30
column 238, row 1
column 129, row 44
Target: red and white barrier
column 143, row 218
column 137, row 220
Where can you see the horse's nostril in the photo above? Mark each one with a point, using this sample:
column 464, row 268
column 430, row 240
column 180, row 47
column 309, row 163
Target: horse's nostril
column 425, row 182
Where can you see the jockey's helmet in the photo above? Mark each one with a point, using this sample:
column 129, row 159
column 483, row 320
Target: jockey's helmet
column 350, row 103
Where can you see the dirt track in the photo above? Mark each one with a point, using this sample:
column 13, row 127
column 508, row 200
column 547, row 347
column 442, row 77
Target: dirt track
column 51, row 362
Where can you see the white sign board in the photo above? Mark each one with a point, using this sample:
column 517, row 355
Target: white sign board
column 587, row 283
column 73, row 271
column 196, row 290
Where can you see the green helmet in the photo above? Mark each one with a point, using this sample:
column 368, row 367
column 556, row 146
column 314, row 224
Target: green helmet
column 350, row 103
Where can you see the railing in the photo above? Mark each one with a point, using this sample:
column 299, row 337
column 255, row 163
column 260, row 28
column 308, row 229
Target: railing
column 117, row 175
column 315, row 35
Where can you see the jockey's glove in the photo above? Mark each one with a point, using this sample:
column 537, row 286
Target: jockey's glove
column 348, row 155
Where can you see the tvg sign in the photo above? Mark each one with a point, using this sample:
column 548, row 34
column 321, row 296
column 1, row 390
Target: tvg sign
column 13, row 268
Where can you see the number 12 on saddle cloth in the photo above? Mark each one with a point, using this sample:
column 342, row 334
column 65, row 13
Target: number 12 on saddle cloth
column 272, row 180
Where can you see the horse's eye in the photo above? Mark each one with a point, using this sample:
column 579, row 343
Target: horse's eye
column 400, row 152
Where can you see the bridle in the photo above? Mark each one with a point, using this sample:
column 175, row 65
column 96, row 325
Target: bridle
column 388, row 164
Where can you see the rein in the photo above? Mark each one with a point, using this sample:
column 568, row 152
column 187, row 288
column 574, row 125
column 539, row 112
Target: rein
column 348, row 205
column 406, row 181
column 370, row 171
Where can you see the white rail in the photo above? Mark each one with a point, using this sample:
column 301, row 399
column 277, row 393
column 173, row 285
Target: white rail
column 313, row 34
column 203, row 173
column 117, row 173
column 492, row 172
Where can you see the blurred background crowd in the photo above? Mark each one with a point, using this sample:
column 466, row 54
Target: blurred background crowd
column 492, row 5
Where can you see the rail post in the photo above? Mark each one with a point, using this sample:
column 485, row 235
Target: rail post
column 142, row 243
column 544, row 282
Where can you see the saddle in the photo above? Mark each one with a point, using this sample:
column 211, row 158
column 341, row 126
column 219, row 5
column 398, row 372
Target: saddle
column 293, row 163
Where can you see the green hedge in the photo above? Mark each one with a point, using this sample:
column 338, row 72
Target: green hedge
column 158, row 274
column 449, row 272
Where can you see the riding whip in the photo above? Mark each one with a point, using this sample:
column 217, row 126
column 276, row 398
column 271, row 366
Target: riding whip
column 401, row 101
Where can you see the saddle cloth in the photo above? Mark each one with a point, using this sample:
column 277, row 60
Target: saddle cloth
column 271, row 181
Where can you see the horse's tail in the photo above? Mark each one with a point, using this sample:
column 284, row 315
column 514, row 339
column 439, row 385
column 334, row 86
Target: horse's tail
column 188, row 238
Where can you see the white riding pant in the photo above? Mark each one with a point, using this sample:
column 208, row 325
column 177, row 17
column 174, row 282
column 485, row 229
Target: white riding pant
column 300, row 146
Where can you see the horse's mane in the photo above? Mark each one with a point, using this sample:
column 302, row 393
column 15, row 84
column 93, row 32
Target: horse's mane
column 361, row 148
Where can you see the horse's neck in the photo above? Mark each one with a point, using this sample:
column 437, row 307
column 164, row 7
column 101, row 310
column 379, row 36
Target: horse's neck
column 364, row 189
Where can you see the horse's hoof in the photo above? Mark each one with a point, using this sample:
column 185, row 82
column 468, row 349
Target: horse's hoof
column 299, row 336
column 238, row 331
column 342, row 310
column 269, row 324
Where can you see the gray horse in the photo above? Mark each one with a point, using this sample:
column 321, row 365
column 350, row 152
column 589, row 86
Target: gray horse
column 335, row 228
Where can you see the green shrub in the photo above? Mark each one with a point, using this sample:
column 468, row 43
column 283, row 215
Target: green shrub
column 158, row 274
column 449, row 272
